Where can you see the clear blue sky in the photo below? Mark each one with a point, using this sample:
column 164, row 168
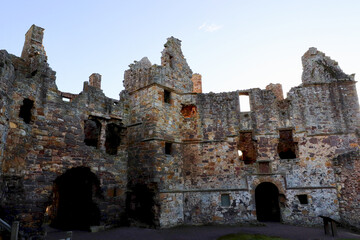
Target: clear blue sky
column 233, row 44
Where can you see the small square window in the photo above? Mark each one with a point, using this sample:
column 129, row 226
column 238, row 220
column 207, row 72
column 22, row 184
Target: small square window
column 303, row 199
column 168, row 147
column 225, row 200
column 264, row 167
column 167, row 96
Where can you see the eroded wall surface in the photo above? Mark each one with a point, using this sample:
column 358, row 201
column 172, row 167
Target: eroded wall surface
column 167, row 154
column 42, row 140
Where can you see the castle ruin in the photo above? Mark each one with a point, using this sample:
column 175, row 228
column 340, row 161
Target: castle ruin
column 166, row 154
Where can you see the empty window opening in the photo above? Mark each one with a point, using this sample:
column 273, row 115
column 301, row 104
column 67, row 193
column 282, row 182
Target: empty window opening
column 240, row 154
column 65, row 99
column 225, row 200
column 92, row 130
column 247, row 148
column 267, row 202
column 244, row 101
column 25, row 110
column 188, row 111
column 167, row 96
column 74, row 196
column 287, row 147
column 264, row 167
column 171, row 61
column 113, row 138
column 303, row 198
column 168, row 148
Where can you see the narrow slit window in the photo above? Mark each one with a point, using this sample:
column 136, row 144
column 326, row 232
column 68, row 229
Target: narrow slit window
column 225, row 200
column 171, row 61
column 168, row 148
column 244, row 101
column 167, row 96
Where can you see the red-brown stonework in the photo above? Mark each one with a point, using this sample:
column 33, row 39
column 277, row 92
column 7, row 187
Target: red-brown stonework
column 165, row 154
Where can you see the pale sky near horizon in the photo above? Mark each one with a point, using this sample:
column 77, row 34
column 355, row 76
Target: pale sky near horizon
column 234, row 45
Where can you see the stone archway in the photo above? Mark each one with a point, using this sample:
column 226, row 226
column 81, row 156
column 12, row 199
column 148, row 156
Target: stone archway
column 267, row 202
column 73, row 200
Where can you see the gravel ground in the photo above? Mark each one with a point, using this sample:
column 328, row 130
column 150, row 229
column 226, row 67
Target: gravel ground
column 202, row 233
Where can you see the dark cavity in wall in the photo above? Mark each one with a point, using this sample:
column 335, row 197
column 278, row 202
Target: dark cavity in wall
column 168, row 148
column 267, row 202
column 113, row 138
column 188, row 111
column 303, row 198
column 141, row 205
column 167, row 96
column 25, row 110
column 92, row 130
column 286, row 147
column 247, row 147
column 73, row 205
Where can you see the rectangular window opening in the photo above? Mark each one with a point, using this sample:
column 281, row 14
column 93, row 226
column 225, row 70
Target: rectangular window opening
column 244, row 101
column 225, row 200
column 264, row 167
column 168, row 147
column 303, row 198
column 167, row 96
column 65, row 99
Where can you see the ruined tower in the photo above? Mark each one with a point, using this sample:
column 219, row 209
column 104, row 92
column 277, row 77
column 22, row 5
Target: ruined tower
column 166, row 154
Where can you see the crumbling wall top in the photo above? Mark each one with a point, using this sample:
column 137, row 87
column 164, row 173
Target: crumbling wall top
column 319, row 68
column 173, row 57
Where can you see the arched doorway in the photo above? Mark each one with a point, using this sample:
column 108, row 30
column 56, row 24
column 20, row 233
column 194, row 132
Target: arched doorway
column 267, row 202
column 73, row 200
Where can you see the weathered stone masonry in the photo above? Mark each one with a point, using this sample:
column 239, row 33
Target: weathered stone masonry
column 166, row 154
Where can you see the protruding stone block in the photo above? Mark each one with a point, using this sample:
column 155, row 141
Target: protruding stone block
column 197, row 84
column 276, row 89
column 33, row 43
column 95, row 80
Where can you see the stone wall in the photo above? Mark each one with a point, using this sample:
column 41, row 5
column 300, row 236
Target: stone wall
column 43, row 137
column 165, row 154
column 347, row 175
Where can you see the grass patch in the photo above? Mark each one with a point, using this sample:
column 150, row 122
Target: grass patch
column 243, row 236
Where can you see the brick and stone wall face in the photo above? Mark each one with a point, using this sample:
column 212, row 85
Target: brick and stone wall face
column 166, row 154
column 43, row 136
column 347, row 169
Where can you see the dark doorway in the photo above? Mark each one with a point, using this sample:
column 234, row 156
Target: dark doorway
column 267, row 202
column 141, row 205
column 73, row 203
